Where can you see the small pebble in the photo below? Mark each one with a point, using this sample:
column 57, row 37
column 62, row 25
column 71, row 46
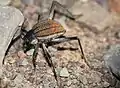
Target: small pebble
column 83, row 79
column 58, row 70
column 18, row 79
column 30, row 52
column 21, row 54
column 64, row 72
column 10, row 60
column 24, row 62
column 69, row 83
column 50, row 71
column 106, row 84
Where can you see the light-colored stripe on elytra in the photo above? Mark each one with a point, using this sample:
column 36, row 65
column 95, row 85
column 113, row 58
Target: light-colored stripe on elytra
column 55, row 35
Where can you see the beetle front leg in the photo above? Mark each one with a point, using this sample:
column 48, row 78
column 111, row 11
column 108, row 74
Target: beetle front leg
column 48, row 58
column 14, row 39
column 35, row 53
column 49, row 61
column 57, row 7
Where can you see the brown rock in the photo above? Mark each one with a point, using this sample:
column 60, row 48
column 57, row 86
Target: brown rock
column 114, row 5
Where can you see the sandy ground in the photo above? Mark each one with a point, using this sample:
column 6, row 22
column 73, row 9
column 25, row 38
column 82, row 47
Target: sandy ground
column 74, row 72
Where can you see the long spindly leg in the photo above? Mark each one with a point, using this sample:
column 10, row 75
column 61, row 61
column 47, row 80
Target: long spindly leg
column 23, row 27
column 39, row 17
column 49, row 61
column 57, row 7
column 35, row 53
column 65, row 39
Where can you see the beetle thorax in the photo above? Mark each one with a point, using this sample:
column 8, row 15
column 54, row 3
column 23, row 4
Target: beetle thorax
column 30, row 37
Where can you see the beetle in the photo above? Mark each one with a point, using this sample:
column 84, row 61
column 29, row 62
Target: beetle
column 48, row 32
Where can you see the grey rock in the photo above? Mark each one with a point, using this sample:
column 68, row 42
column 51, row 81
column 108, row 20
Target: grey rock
column 4, row 2
column 112, row 60
column 30, row 52
column 24, row 62
column 10, row 19
column 69, row 83
column 93, row 15
column 28, row 2
column 83, row 79
column 64, row 72
column 106, row 84
column 58, row 70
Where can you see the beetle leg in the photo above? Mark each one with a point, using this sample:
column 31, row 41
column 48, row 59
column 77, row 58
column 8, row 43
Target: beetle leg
column 57, row 7
column 12, row 42
column 47, row 55
column 48, row 58
column 65, row 39
column 49, row 61
column 24, row 25
column 35, row 53
column 15, row 39
column 39, row 17
column 19, row 36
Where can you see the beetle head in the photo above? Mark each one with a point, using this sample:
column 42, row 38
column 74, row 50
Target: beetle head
column 30, row 38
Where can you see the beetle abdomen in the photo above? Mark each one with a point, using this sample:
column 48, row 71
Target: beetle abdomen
column 48, row 28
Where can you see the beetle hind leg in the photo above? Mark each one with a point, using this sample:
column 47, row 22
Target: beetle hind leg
column 58, row 8
column 65, row 39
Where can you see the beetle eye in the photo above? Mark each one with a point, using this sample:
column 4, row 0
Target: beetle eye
column 34, row 41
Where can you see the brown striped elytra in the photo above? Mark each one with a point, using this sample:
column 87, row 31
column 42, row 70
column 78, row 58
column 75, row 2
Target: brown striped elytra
column 47, row 28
